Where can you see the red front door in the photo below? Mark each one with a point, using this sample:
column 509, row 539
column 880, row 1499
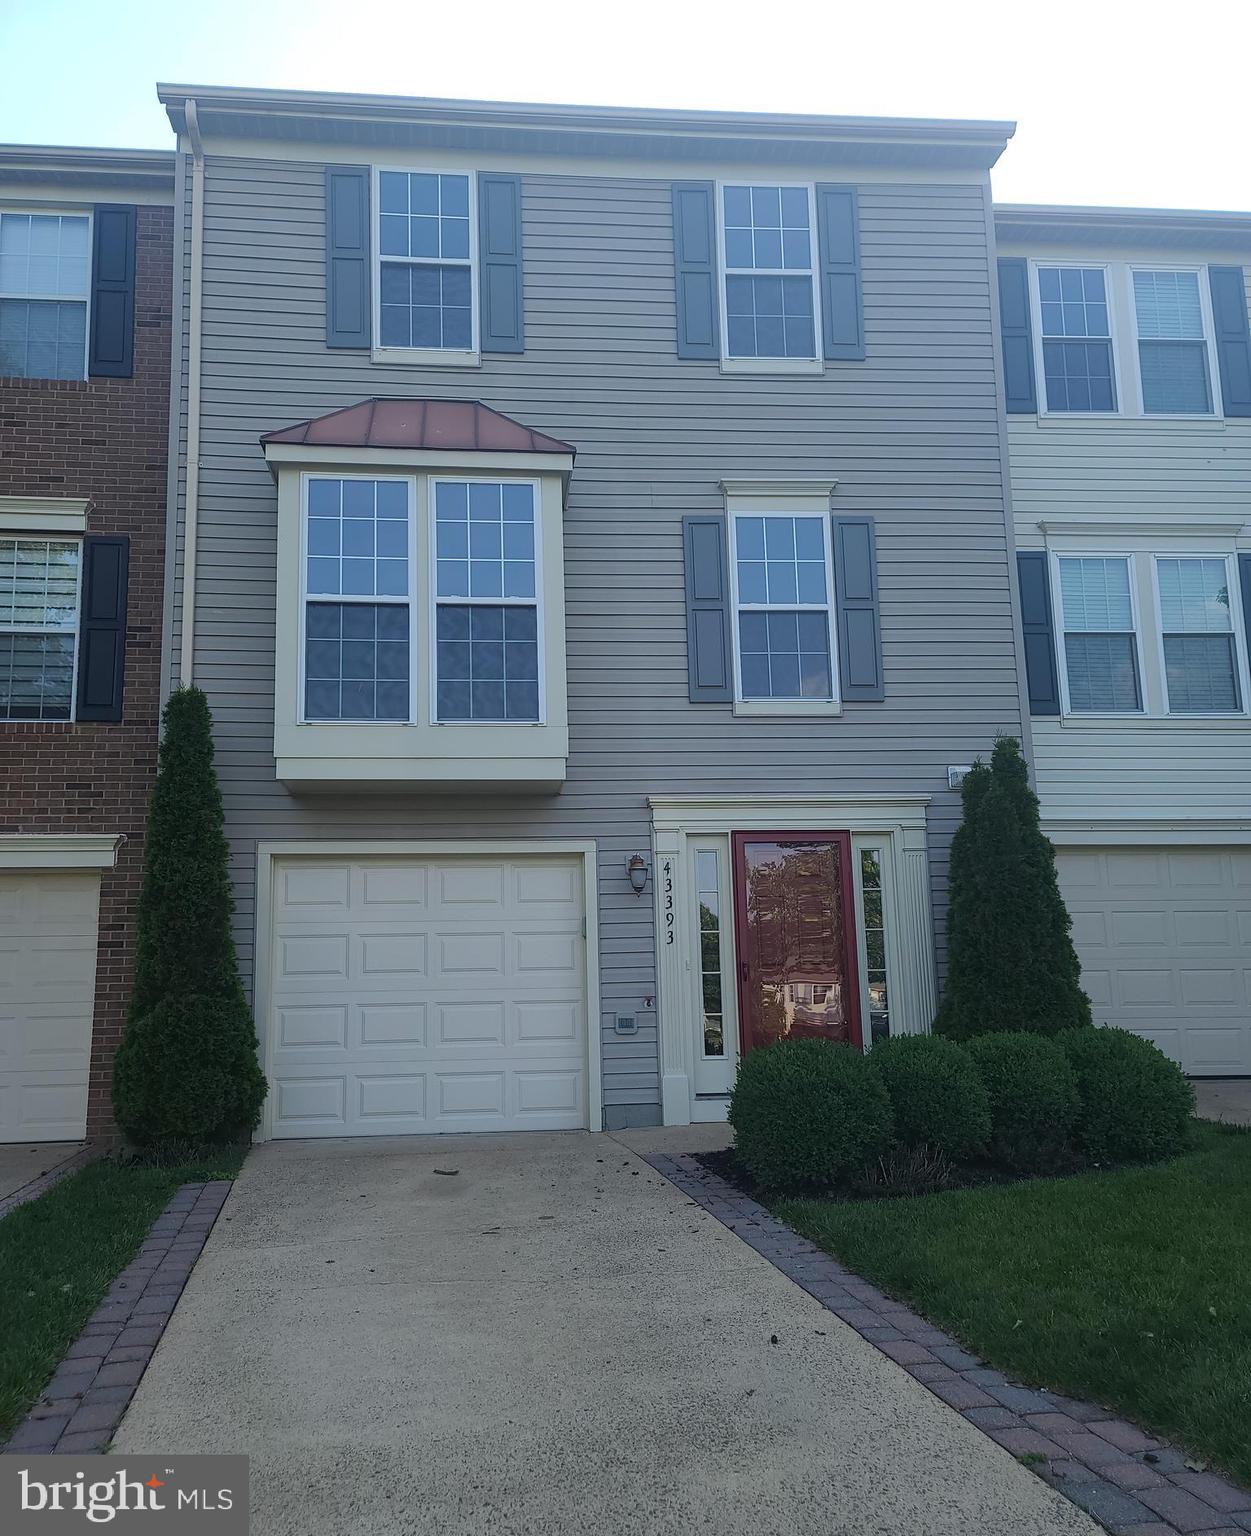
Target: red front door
column 796, row 937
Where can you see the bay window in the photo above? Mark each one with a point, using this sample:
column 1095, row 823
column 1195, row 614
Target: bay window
column 420, row 621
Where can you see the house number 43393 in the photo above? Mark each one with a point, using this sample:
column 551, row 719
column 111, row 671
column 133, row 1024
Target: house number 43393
column 667, row 869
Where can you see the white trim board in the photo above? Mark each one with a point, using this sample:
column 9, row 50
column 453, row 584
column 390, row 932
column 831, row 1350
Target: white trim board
column 43, row 514
column 59, row 850
column 1075, row 832
column 588, row 852
column 851, row 813
column 1144, row 525
column 327, row 457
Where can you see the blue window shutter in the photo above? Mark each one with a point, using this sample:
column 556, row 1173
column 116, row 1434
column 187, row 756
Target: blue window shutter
column 856, row 608
column 709, row 665
column 499, row 263
column 1038, row 628
column 111, row 354
column 842, row 300
column 348, row 318
column 102, row 628
column 1016, row 332
column 1244, row 581
column 1233, row 337
column 695, row 268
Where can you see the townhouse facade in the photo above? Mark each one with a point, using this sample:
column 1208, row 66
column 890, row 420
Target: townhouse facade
column 605, row 538
column 86, row 249
column 1129, row 432
column 591, row 534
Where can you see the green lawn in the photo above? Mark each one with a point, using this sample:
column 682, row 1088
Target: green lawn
column 1132, row 1288
column 60, row 1254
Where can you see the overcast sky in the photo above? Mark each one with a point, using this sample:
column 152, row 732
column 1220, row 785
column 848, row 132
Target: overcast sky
column 1111, row 107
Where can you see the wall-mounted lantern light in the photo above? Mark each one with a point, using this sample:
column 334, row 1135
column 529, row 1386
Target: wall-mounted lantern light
column 636, row 868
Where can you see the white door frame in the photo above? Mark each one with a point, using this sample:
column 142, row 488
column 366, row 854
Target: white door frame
column 363, row 848
column 895, row 823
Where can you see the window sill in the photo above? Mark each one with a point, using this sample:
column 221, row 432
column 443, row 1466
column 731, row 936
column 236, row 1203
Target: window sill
column 794, row 709
column 1111, row 722
column 774, row 366
column 426, row 357
column 1121, row 421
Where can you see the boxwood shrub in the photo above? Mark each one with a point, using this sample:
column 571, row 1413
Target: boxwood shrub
column 938, row 1098
column 808, row 1114
column 1033, row 1098
column 1136, row 1106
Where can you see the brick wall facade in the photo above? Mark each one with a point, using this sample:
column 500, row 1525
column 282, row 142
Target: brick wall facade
column 106, row 440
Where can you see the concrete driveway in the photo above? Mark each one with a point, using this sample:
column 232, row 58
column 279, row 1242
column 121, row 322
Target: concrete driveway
column 549, row 1340
column 23, row 1161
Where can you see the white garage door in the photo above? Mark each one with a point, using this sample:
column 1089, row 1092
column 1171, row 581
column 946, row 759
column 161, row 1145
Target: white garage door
column 440, row 994
column 47, row 999
column 1164, row 937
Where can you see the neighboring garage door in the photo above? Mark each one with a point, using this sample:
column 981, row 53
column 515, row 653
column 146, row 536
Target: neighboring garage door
column 435, row 994
column 47, row 997
column 1164, row 937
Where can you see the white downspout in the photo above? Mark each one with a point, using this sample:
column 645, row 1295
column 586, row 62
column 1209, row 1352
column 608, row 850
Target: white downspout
column 192, row 501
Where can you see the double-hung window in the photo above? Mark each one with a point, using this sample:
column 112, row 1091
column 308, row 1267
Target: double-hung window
column 1119, row 339
column 1196, row 620
column 1173, row 360
column 39, row 581
column 44, row 272
column 357, row 609
column 486, row 600
column 1076, row 326
column 784, row 621
column 769, row 280
column 1100, row 635
column 426, row 245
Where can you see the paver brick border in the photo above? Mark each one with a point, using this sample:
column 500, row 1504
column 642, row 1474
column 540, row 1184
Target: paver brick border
column 43, row 1182
column 92, row 1387
column 1131, row 1483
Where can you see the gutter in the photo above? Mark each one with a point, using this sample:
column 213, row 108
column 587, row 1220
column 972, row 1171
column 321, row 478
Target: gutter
column 192, row 504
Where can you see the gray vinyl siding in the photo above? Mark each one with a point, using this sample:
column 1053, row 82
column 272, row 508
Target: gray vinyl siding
column 1175, row 769
column 912, row 435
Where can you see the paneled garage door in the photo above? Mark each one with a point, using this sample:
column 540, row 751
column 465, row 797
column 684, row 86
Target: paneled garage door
column 47, row 999
column 436, row 994
column 1164, row 937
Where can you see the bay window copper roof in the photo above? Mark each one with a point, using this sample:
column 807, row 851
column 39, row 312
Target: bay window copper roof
column 465, row 426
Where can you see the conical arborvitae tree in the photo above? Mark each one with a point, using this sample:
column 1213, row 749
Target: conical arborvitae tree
column 1011, row 962
column 187, row 1068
